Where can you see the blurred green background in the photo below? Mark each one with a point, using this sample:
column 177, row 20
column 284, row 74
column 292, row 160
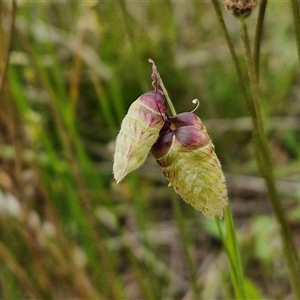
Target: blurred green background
column 67, row 230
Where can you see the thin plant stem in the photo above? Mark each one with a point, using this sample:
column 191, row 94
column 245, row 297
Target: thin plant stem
column 230, row 45
column 258, row 35
column 261, row 148
column 231, row 247
column 130, row 27
column 6, row 54
column 264, row 161
column 296, row 16
column 170, row 103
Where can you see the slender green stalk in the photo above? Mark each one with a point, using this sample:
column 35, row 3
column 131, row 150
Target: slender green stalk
column 296, row 16
column 265, row 165
column 6, row 54
column 170, row 103
column 130, row 27
column 231, row 247
column 262, row 151
column 234, row 57
column 258, row 35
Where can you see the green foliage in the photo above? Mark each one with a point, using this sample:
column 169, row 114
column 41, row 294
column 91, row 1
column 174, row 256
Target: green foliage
column 69, row 71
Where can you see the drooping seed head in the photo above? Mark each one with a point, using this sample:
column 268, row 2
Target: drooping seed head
column 188, row 160
column 139, row 131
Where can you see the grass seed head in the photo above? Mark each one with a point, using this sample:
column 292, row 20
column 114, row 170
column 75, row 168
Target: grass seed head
column 139, row 131
column 240, row 8
column 186, row 154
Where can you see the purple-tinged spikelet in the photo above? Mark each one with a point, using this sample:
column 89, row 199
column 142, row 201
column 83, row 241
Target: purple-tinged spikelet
column 186, row 154
column 139, row 131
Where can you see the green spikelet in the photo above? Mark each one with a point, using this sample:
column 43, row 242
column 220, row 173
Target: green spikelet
column 186, row 154
column 139, row 131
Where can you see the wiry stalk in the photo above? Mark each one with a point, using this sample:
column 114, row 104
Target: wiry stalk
column 265, row 165
column 261, row 147
column 6, row 52
column 258, row 35
column 230, row 45
column 230, row 244
column 296, row 17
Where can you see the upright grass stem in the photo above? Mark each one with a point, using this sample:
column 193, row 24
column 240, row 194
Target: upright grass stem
column 258, row 35
column 234, row 57
column 296, row 17
column 264, row 161
column 231, row 247
column 261, row 147
column 6, row 52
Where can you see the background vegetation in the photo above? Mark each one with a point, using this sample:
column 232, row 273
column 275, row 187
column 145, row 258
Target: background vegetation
column 69, row 71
